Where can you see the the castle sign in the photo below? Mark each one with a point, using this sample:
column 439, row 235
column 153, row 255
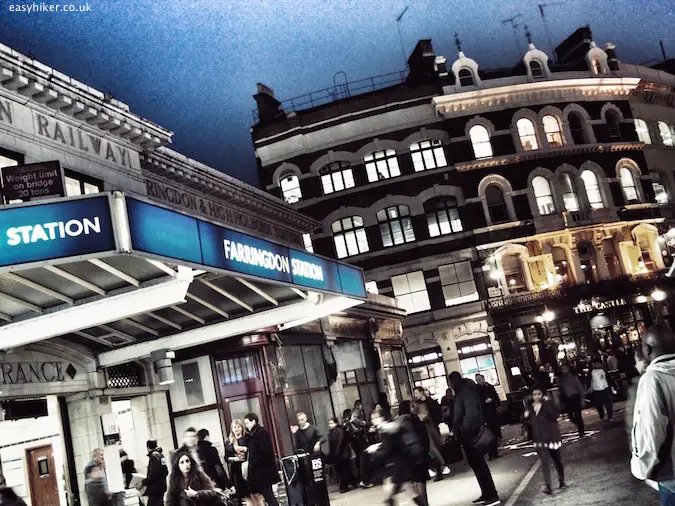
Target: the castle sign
column 14, row 373
column 598, row 305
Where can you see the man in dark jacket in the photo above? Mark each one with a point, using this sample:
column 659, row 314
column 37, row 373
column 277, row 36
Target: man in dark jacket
column 155, row 481
column 491, row 401
column 305, row 435
column 262, row 468
column 211, row 463
column 467, row 423
column 572, row 395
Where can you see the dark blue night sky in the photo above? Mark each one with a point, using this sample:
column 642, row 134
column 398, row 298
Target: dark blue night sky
column 192, row 66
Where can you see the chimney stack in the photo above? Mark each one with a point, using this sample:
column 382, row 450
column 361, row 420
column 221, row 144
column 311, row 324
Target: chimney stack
column 612, row 60
column 269, row 107
column 422, row 64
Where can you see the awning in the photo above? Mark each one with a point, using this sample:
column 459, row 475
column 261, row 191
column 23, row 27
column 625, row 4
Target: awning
column 120, row 272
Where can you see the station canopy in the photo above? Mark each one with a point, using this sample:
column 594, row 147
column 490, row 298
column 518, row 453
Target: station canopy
column 126, row 277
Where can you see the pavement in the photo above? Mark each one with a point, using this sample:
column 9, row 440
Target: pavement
column 597, row 473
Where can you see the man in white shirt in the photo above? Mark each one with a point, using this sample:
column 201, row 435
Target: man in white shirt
column 602, row 393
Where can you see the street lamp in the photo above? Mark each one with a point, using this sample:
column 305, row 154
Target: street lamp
column 658, row 295
column 548, row 315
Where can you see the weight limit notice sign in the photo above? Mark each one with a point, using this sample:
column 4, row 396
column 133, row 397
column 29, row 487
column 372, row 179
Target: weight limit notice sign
column 32, row 181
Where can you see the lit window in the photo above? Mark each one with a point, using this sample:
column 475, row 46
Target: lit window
column 336, row 176
column 553, row 131
column 527, row 134
column 613, row 130
column 513, row 273
column 569, row 194
column 349, row 236
column 494, row 197
column 628, row 184
column 427, row 155
column 666, row 134
column 371, row 287
column 290, row 188
column 77, row 184
column 395, row 225
column 458, row 284
column 576, row 128
column 642, row 131
column 307, row 240
column 410, row 291
column 443, row 217
column 660, row 194
column 480, row 139
column 592, row 189
column 537, row 70
column 543, row 195
column 465, row 77
column 382, row 165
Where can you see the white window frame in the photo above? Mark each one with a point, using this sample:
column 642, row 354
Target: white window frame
column 443, row 220
column 543, row 195
column 427, row 155
column 628, row 185
column 410, row 291
column 371, row 287
column 666, row 132
column 79, row 184
column 553, row 131
column 382, row 165
column 540, row 74
column 396, row 223
column 480, row 141
column 349, row 236
column 290, row 188
column 642, row 130
column 464, row 79
column 307, row 241
column 592, row 188
column 450, row 278
column 336, row 177
column 527, row 134
column 569, row 193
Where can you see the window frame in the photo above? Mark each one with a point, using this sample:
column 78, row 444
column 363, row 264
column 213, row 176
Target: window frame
column 481, row 144
column 503, row 205
column 356, row 232
column 388, row 222
column 373, row 163
column 426, row 302
column 329, row 172
column 464, row 79
column 659, row 189
column 542, row 200
column 551, row 135
column 581, row 132
column 625, row 169
column 666, row 132
column 613, row 128
column 434, row 148
column 568, row 192
column 462, row 299
column 444, row 207
column 522, row 135
column 83, row 180
column 290, row 194
column 642, row 130
column 540, row 74
column 592, row 188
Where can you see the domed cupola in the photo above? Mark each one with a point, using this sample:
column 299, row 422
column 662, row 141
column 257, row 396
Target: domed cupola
column 597, row 59
column 535, row 60
column 465, row 69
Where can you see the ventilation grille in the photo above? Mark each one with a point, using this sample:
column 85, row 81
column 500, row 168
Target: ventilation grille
column 125, row 376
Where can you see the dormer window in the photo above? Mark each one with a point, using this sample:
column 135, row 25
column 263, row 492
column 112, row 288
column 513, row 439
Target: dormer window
column 466, row 78
column 537, row 70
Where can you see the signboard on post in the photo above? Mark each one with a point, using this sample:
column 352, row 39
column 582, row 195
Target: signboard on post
column 33, row 181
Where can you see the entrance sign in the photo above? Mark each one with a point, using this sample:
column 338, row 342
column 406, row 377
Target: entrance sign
column 14, row 373
column 56, row 230
column 32, row 181
column 167, row 233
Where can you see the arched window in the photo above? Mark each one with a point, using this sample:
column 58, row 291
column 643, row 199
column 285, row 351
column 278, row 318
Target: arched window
column 290, row 188
column 613, row 130
column 336, row 176
column 443, row 217
column 543, row 195
column 381, row 165
column 480, row 139
column 569, row 194
column 527, row 134
column 666, row 134
column 513, row 272
column 427, row 155
column 537, row 70
column 587, row 260
column 628, row 185
column 576, row 128
column 349, row 236
column 642, row 131
column 562, row 267
column 465, row 78
column 494, row 197
column 592, row 189
column 660, row 193
column 553, row 131
column 395, row 225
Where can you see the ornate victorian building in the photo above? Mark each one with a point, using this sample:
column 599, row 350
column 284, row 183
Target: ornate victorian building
column 520, row 215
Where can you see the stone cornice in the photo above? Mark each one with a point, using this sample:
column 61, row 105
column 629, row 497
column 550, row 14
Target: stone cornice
column 193, row 174
column 30, row 80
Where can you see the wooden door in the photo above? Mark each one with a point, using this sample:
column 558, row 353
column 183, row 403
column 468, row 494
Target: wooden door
column 42, row 476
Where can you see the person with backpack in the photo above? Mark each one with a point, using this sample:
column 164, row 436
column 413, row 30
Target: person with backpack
column 155, row 481
column 404, row 451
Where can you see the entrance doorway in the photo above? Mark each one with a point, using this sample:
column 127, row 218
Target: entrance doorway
column 42, row 476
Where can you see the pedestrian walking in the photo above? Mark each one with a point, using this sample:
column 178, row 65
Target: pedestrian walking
column 262, row 469
column 542, row 417
column 572, row 396
column 433, row 407
column 95, row 482
column 339, row 454
column 359, row 440
column 434, row 436
column 491, row 402
column 654, row 414
column 403, row 452
column 235, row 451
column 467, row 426
column 189, row 485
column 128, row 467
column 601, row 391
column 155, row 481
column 305, row 435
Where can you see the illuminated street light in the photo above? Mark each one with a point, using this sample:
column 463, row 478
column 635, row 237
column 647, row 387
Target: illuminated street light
column 548, row 315
column 658, row 295
column 641, row 299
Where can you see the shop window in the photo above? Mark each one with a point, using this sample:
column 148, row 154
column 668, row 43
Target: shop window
column 514, row 274
column 569, row 194
column 396, row 377
column 410, row 291
column 553, row 131
column 304, row 367
column 527, row 134
column 642, row 131
column 576, row 128
column 628, row 185
column 480, row 140
column 465, row 78
column 660, row 194
column 78, row 184
column 443, row 217
column 666, row 132
column 611, row 258
column 477, row 358
column 587, row 260
column 537, row 70
column 431, row 376
column 458, row 283
column 307, row 241
column 381, row 165
column 592, row 189
column 336, row 176
column 349, row 236
column 428, row 155
column 543, row 195
column 562, row 268
column 395, row 225
column 371, row 287
column 290, row 188
column 494, row 197
column 613, row 129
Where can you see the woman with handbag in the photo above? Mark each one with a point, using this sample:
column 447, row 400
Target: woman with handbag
column 542, row 417
column 236, row 456
column 188, row 485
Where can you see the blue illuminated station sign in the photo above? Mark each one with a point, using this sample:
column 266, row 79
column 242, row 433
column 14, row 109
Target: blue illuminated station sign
column 166, row 233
